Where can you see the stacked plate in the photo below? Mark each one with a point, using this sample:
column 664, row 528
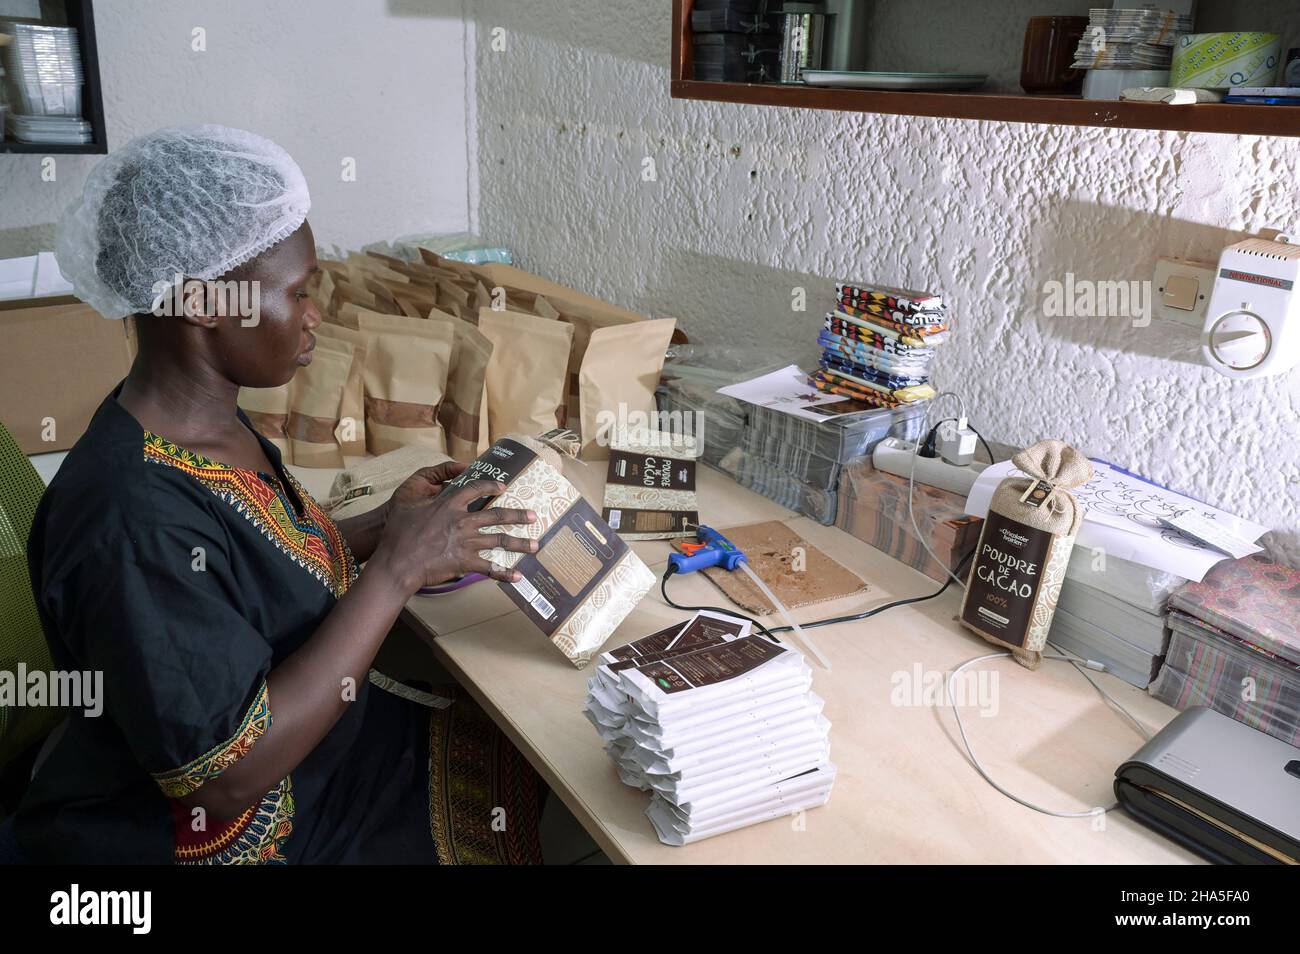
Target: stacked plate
column 45, row 79
column 50, row 130
column 1130, row 39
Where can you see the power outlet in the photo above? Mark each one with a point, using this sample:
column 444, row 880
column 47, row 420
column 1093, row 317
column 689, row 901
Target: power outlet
column 1181, row 290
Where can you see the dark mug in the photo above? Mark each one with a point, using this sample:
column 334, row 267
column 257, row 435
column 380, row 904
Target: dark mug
column 1050, row 43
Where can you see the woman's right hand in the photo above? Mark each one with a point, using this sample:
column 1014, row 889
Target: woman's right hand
column 439, row 539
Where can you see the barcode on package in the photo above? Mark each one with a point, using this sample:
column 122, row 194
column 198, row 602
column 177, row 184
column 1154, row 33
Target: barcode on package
column 536, row 600
column 614, row 519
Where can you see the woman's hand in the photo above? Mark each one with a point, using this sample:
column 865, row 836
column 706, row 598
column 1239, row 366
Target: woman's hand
column 425, row 484
column 430, row 541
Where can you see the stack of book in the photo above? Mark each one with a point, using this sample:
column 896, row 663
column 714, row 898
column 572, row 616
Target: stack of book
column 1120, row 624
column 1235, row 646
column 720, row 726
column 878, row 344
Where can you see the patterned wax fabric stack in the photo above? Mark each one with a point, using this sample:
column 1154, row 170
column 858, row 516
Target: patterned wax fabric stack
column 1235, row 646
column 878, row 344
column 720, row 726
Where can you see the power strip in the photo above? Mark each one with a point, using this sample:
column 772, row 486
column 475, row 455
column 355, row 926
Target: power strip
column 894, row 456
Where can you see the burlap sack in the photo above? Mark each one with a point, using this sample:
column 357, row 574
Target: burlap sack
column 1023, row 550
column 371, row 483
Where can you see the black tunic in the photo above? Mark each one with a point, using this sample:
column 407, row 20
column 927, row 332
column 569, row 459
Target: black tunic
column 185, row 582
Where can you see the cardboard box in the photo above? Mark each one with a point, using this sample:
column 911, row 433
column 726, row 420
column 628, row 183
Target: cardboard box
column 873, row 508
column 59, row 360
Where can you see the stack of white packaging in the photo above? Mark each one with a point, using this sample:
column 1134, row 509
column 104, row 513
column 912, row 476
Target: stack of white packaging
column 720, row 726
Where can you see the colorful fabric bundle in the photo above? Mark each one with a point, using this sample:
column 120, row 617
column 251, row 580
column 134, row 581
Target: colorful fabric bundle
column 878, row 346
column 912, row 336
column 871, row 357
column 895, row 304
column 885, row 379
column 834, row 382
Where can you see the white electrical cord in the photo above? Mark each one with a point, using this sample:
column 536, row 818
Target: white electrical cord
column 911, row 477
column 1082, row 665
column 1079, row 664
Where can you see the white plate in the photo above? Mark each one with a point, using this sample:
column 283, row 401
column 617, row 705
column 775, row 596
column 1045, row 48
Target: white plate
column 897, row 81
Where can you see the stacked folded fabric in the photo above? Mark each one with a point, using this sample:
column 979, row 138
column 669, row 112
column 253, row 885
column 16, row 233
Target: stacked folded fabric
column 720, row 726
column 1235, row 646
column 878, row 344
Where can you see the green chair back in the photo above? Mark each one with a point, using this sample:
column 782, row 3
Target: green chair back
column 21, row 637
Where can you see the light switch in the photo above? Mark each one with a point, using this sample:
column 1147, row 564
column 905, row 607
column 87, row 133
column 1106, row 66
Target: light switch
column 1181, row 291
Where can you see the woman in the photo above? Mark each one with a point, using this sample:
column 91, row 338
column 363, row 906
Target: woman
column 175, row 554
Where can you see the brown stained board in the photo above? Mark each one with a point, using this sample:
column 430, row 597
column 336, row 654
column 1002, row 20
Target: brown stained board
column 1234, row 118
column 772, row 550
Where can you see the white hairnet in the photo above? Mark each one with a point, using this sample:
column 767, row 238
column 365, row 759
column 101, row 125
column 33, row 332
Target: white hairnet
column 194, row 201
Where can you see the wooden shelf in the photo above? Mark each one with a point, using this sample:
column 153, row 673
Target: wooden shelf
column 81, row 16
column 1058, row 110
column 1231, row 118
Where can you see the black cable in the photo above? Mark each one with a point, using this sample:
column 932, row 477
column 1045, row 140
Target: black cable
column 771, row 633
column 663, row 588
column 880, row 609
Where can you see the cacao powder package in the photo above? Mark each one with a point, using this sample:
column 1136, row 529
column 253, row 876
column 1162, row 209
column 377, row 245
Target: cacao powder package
column 583, row 580
column 1023, row 550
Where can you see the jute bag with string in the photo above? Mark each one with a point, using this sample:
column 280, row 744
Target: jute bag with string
column 1023, row 549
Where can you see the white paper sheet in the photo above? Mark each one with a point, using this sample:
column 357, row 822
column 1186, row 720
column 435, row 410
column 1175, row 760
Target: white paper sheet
column 1122, row 515
column 788, row 391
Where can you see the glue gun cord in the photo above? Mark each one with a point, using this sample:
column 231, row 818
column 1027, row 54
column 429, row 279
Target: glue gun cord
column 663, row 589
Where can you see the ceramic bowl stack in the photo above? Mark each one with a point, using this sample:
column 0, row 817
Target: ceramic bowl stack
column 1128, row 47
column 43, row 65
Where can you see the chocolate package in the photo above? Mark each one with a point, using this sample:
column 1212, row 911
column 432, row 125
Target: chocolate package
column 584, row 579
column 1023, row 550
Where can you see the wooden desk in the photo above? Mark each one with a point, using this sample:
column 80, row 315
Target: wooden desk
column 905, row 791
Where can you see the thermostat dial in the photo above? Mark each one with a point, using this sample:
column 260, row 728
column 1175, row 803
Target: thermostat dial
column 1240, row 340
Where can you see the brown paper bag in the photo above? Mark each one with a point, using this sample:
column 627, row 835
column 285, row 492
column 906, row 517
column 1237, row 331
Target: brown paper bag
column 267, row 409
column 525, row 374
column 351, row 431
column 620, row 371
column 315, row 399
column 1023, row 550
column 407, row 361
column 463, row 413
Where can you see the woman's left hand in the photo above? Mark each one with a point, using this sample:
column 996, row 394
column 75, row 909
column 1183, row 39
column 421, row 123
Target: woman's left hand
column 425, row 484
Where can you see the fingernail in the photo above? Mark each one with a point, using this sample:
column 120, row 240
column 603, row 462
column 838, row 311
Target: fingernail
column 532, row 546
column 532, row 516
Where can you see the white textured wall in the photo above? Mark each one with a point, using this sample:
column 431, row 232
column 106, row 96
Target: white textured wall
column 382, row 81
column 750, row 202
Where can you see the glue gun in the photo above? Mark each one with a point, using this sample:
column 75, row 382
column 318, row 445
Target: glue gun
column 713, row 549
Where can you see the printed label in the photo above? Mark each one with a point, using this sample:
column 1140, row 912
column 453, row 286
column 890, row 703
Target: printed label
column 572, row 558
column 503, row 461
column 712, row 665
column 652, row 471
column 1005, row 579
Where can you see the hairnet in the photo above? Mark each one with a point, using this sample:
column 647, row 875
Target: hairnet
column 194, row 201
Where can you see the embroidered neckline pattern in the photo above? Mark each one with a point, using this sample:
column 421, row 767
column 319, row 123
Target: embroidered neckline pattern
column 312, row 541
column 190, row 777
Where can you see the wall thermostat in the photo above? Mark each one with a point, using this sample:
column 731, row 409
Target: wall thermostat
column 1252, row 323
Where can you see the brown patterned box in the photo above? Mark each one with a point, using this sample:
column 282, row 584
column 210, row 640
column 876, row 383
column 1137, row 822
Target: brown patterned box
column 873, row 508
